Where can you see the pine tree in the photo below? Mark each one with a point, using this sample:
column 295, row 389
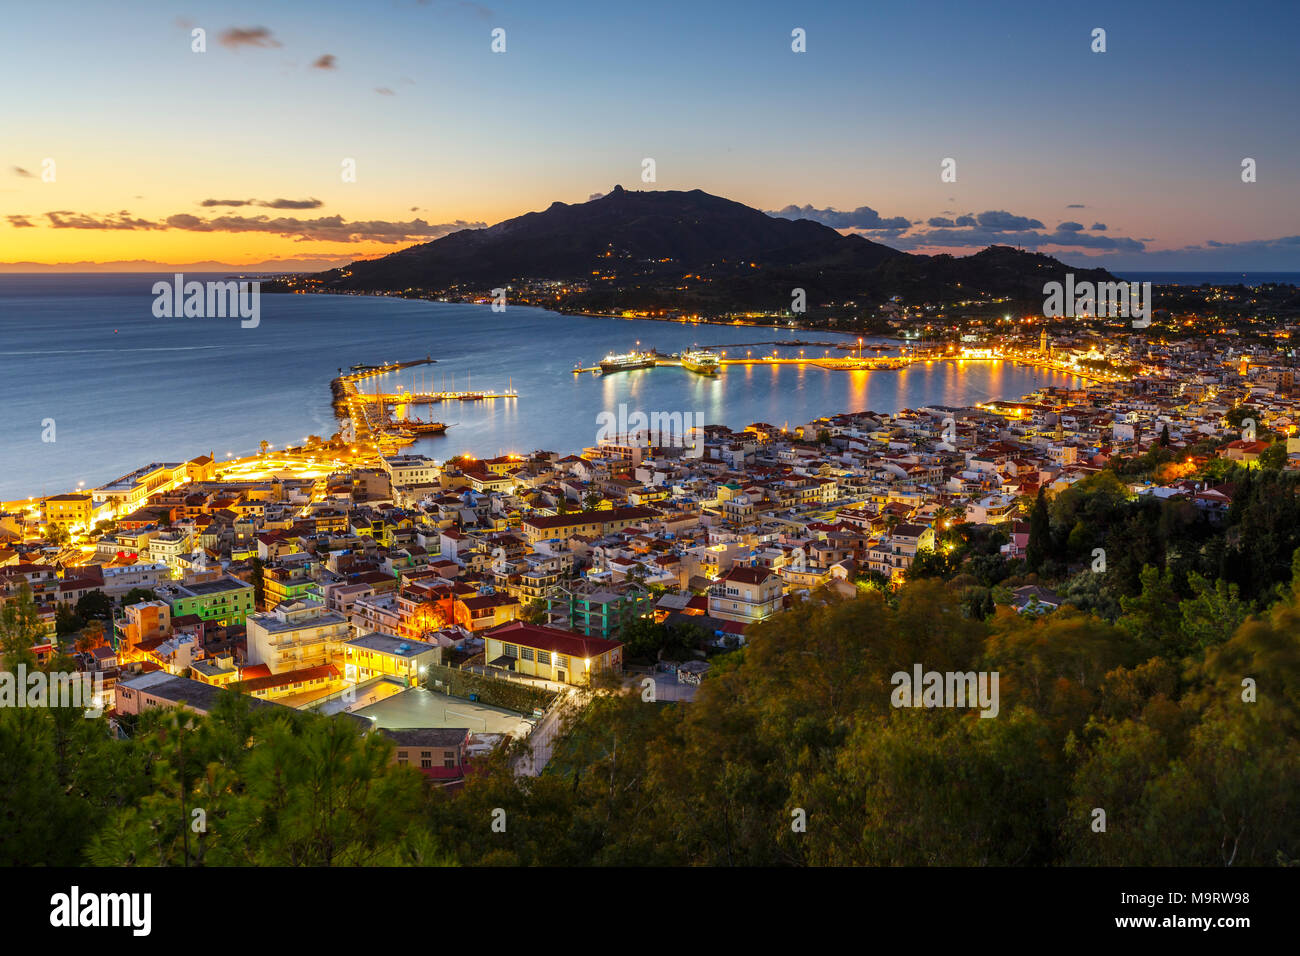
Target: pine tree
column 1040, row 533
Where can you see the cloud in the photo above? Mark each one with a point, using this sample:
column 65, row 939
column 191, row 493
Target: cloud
column 1076, row 205
column 21, row 222
column 19, row 171
column 1213, row 255
column 980, row 237
column 324, row 229
column 939, row 222
column 1098, row 227
column 864, row 217
column 1070, row 227
column 236, row 37
column 1000, row 220
column 595, row 196
column 384, row 91
column 292, row 204
column 64, row 219
column 326, row 61
column 273, row 204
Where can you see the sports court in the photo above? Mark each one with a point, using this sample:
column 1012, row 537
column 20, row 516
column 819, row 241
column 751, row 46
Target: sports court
column 419, row 707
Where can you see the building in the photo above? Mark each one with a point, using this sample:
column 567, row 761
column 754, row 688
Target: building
column 481, row 612
column 406, row 470
column 437, row 752
column 383, row 655
column 297, row 635
column 895, row 552
column 285, row 584
column 218, row 671
column 538, row 528
column 67, row 511
column 145, row 621
column 134, row 695
column 125, row 494
column 745, row 594
column 227, row 600
column 596, row 610
column 551, row 653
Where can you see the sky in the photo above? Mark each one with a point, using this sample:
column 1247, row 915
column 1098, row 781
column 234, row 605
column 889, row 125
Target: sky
column 122, row 147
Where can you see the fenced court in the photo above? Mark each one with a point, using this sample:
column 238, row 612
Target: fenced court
column 418, row 707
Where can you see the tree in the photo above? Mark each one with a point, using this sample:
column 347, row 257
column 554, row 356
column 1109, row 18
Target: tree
column 1040, row 533
column 66, row 620
column 1164, row 435
column 1148, row 617
column 535, row 612
column 275, row 789
column 95, row 604
column 591, row 500
column 136, row 595
column 1274, row 456
column 258, row 577
column 1213, row 613
column 91, row 637
column 20, row 629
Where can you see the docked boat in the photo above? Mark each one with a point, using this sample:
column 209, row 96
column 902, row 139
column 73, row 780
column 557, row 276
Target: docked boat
column 701, row 361
column 417, row 427
column 628, row 360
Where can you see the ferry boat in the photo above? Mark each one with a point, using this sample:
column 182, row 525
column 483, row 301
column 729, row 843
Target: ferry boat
column 628, row 360
column 700, row 360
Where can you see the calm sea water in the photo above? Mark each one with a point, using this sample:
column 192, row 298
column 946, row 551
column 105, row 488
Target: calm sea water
column 125, row 388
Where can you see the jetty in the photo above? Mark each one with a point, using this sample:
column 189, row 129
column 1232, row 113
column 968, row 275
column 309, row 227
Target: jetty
column 368, row 412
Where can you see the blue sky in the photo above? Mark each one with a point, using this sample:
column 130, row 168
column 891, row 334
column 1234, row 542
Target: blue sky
column 1052, row 141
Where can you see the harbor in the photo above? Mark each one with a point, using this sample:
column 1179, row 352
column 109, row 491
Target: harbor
column 367, row 413
column 706, row 361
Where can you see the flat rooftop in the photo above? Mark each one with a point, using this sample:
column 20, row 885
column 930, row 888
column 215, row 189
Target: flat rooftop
column 422, row 708
column 219, row 586
column 388, row 644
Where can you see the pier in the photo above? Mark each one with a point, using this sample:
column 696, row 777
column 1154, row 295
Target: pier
column 891, row 362
column 368, row 411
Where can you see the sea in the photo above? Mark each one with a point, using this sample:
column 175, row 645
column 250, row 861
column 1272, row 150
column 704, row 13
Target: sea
column 95, row 386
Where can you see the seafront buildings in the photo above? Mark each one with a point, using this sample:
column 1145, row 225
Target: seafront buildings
column 349, row 581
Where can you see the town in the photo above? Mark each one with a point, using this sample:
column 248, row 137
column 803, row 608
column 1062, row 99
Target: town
column 473, row 605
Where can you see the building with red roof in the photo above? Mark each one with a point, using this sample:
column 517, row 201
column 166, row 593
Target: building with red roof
column 567, row 657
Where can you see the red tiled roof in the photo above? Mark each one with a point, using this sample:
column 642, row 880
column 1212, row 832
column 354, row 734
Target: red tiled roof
column 552, row 639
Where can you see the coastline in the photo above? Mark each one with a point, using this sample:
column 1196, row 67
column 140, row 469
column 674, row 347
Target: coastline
column 22, row 504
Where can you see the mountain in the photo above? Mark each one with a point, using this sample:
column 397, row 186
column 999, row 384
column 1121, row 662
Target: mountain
column 689, row 251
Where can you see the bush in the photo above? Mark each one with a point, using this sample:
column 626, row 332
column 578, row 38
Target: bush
column 511, row 695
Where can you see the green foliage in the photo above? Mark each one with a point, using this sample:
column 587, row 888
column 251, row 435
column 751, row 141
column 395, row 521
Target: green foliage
column 274, row 788
column 136, row 595
column 95, row 604
column 512, row 695
column 799, row 722
column 1274, row 456
column 645, row 641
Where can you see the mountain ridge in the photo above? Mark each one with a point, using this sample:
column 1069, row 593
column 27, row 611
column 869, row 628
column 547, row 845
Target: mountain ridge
column 690, row 249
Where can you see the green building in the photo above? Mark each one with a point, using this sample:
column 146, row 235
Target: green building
column 596, row 610
column 226, row 600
